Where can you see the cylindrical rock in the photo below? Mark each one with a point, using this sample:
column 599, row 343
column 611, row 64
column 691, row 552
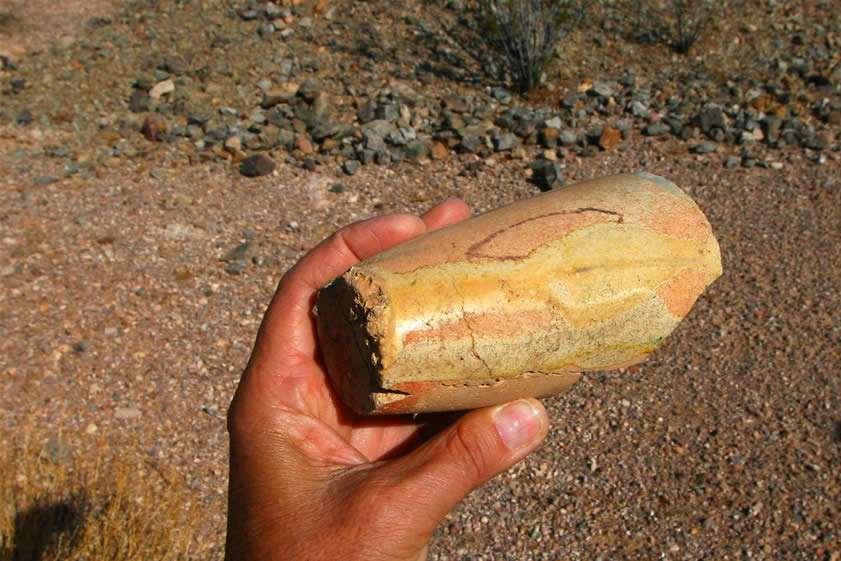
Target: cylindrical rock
column 518, row 301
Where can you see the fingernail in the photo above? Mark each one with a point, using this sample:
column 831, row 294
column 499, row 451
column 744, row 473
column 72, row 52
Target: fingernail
column 517, row 423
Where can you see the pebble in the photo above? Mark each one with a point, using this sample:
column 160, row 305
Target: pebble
column 547, row 175
column 257, row 165
column 506, row 141
column 656, row 129
column 161, row 89
column 45, row 179
column 127, row 413
column 350, row 167
column 609, row 138
column 24, row 117
column 704, row 147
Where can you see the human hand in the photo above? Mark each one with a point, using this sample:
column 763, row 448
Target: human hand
column 311, row 480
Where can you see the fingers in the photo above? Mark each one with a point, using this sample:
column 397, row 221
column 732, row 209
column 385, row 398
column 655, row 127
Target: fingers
column 445, row 213
column 287, row 335
column 482, row 444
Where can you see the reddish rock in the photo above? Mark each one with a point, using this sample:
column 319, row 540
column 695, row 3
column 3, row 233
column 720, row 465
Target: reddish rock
column 153, row 129
column 438, row 151
column 303, row 144
column 610, row 138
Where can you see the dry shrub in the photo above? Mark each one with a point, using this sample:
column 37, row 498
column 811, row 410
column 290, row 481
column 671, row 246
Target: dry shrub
column 60, row 508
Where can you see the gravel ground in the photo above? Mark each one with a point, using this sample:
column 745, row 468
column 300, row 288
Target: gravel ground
column 128, row 316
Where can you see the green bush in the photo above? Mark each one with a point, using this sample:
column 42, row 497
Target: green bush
column 526, row 33
column 676, row 23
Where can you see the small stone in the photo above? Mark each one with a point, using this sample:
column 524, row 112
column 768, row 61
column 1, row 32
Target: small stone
column 469, row 144
column 140, row 102
column 710, row 118
column 236, row 267
column 153, row 129
column 547, row 175
column 174, row 64
column 304, row 144
column 506, row 141
column 548, row 137
column 242, row 252
column 337, row 188
column 570, row 100
column 568, row 138
column 80, row 346
column 553, row 123
column 127, row 413
column 350, row 167
column 416, row 150
column 45, row 179
column 656, row 129
column 609, row 138
column 91, row 428
column 601, row 89
column 731, row 162
column 704, row 147
column 457, row 104
column 24, row 117
column 439, row 150
column 233, row 144
column 817, row 141
column 257, row 165
column 638, row 109
column 162, row 88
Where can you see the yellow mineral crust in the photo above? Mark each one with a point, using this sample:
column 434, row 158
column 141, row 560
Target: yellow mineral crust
column 588, row 277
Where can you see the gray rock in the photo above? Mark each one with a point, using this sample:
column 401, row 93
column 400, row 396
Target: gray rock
column 257, row 165
column 45, row 179
column 374, row 142
column 24, row 117
column 570, row 100
column 568, row 138
column 502, row 95
column 710, row 118
column 236, row 267
column 242, row 252
column 273, row 11
column 415, row 150
column 790, row 136
column 553, row 123
column 817, row 141
column 547, row 175
column 140, row 102
column 601, row 89
column 388, row 112
column 367, row 112
column 366, row 156
column 506, row 141
column 266, row 29
column 350, row 167
column 264, row 85
column 731, row 162
column 656, row 129
column 704, row 147
column 174, row 64
column 469, row 144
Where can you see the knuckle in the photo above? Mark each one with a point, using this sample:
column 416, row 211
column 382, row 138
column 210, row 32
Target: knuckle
column 471, row 449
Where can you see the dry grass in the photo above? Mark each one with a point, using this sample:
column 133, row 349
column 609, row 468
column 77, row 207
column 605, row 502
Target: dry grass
column 55, row 507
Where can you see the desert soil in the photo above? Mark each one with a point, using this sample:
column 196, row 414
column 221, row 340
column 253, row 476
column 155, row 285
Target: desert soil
column 121, row 322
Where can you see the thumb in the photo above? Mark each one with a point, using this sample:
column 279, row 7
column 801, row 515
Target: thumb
column 480, row 445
